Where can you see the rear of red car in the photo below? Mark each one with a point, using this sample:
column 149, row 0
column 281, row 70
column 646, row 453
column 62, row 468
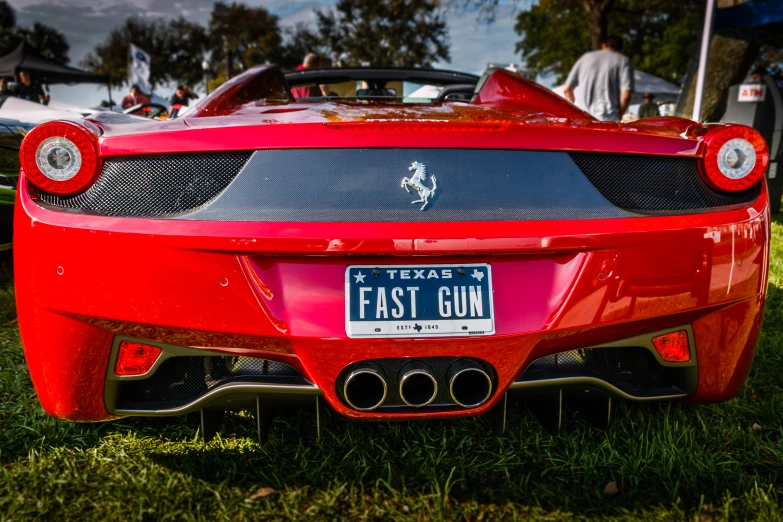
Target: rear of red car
column 253, row 258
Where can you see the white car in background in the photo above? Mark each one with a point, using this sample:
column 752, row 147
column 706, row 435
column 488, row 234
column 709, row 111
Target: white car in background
column 31, row 112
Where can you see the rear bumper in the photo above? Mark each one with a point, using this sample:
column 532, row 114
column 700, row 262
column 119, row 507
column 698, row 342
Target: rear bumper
column 276, row 291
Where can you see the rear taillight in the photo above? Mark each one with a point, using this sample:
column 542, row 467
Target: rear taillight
column 673, row 347
column 735, row 159
column 135, row 358
column 60, row 157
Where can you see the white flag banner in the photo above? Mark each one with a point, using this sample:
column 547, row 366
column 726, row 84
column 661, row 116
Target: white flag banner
column 139, row 69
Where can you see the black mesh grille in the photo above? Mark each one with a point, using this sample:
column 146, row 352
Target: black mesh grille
column 391, row 369
column 655, row 184
column 180, row 380
column 627, row 368
column 155, row 186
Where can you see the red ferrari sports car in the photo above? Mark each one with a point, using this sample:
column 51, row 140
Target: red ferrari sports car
column 393, row 255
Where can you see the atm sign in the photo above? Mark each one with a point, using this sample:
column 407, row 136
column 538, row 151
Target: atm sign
column 752, row 92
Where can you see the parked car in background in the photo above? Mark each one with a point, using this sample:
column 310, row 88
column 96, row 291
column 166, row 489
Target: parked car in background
column 11, row 134
column 31, row 112
column 149, row 110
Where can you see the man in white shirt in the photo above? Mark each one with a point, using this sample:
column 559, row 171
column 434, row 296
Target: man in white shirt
column 606, row 81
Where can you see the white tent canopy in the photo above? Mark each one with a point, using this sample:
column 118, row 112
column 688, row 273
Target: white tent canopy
column 644, row 82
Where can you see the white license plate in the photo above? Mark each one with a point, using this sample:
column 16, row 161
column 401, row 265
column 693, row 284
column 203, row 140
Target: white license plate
column 418, row 300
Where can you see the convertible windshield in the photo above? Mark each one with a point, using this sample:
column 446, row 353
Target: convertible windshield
column 400, row 85
column 359, row 90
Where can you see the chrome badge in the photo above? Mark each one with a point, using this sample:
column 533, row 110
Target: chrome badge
column 417, row 183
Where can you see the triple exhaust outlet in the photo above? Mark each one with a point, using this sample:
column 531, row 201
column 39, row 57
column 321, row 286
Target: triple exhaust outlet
column 468, row 382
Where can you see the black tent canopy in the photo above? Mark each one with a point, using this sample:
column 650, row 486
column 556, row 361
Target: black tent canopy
column 26, row 58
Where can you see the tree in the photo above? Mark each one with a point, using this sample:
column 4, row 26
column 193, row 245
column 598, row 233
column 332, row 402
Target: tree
column 50, row 42
column 9, row 36
column 385, row 32
column 7, row 16
column 186, row 45
column 300, row 40
column 597, row 17
column 659, row 35
column 244, row 36
column 554, row 35
column 729, row 62
column 661, row 38
column 176, row 49
column 595, row 14
column 111, row 57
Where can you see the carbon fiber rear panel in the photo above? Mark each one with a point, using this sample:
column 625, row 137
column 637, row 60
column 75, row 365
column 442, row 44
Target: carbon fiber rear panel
column 656, row 184
column 364, row 185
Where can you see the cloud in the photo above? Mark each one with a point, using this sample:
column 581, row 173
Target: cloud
column 475, row 44
column 84, row 30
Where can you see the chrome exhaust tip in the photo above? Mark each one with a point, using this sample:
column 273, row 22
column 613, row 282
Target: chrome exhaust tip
column 470, row 385
column 418, row 386
column 365, row 386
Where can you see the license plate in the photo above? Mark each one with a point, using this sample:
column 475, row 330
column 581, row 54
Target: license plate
column 418, row 300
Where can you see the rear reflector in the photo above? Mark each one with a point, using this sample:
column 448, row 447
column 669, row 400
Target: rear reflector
column 673, row 347
column 135, row 358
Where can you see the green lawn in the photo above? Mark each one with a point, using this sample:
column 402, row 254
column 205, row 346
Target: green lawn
column 670, row 462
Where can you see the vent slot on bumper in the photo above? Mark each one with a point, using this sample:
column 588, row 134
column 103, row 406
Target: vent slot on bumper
column 183, row 380
column 629, row 372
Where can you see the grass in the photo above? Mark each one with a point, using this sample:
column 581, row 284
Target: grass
column 669, row 461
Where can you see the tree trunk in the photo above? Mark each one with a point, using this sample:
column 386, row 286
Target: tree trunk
column 729, row 63
column 597, row 20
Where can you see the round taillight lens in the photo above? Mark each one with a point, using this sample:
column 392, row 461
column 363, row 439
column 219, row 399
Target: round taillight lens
column 735, row 159
column 60, row 157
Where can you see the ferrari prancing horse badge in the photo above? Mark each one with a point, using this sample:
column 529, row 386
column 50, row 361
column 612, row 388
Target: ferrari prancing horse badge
column 417, row 183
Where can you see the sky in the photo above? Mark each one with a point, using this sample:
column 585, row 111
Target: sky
column 86, row 23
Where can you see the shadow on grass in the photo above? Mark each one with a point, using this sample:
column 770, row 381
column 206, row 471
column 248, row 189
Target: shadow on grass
column 655, row 453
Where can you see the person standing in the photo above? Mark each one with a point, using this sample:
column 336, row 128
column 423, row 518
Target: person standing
column 134, row 97
column 182, row 96
column 649, row 109
column 27, row 90
column 606, row 80
column 311, row 61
